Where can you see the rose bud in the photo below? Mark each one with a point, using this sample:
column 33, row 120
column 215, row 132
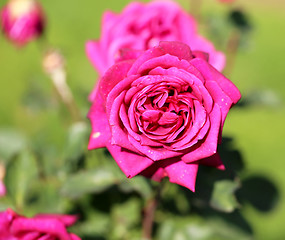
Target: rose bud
column 160, row 113
column 42, row 226
column 22, row 21
column 143, row 25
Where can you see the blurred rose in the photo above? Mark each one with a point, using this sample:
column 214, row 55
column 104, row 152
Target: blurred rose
column 141, row 26
column 40, row 227
column 161, row 112
column 22, row 21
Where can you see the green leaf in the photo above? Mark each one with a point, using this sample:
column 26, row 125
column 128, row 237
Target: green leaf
column 198, row 228
column 21, row 173
column 97, row 224
column 125, row 217
column 11, row 142
column 76, row 141
column 92, row 181
column 223, row 196
column 166, row 231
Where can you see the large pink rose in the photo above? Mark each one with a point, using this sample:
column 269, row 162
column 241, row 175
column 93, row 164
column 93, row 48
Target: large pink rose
column 22, row 21
column 40, row 227
column 161, row 113
column 141, row 26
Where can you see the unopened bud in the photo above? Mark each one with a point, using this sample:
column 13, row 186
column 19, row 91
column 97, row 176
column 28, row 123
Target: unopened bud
column 22, row 21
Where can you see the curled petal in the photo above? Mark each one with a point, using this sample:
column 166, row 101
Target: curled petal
column 211, row 73
column 130, row 163
column 208, row 147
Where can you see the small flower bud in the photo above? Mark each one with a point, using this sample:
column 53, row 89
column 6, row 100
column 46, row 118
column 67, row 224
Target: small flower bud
column 22, row 21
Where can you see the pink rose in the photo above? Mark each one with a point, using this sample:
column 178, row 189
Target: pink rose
column 141, row 26
column 40, row 227
column 22, row 21
column 161, row 113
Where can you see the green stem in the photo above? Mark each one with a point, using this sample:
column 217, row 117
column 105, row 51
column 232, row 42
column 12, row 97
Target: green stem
column 149, row 213
column 231, row 51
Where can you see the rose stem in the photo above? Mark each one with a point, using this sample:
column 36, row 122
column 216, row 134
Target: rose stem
column 231, row 51
column 53, row 65
column 149, row 213
column 58, row 78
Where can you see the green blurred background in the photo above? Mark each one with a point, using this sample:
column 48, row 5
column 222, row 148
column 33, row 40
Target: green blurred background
column 257, row 130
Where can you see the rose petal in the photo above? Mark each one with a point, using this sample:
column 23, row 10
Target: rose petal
column 200, row 54
column 155, row 172
column 129, row 162
column 220, row 98
column 67, row 220
column 149, row 54
column 164, row 61
column 210, row 73
column 34, row 236
column 213, row 161
column 74, row 237
column 53, row 227
column 183, row 174
column 209, row 146
column 114, row 76
column 178, row 49
column 154, row 154
column 95, row 54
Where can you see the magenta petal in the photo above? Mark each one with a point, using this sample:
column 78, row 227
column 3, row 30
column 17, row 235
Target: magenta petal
column 96, row 56
column 120, row 137
column 211, row 73
column 178, row 49
column 5, row 220
column 117, row 90
column 129, row 162
column 209, row 146
column 213, row 161
column 164, row 61
column 153, row 153
column 200, row 54
column 149, row 54
column 100, row 126
column 183, row 174
column 154, row 172
column 219, row 98
column 74, row 237
column 113, row 76
column 128, row 54
column 67, row 220
column 35, row 236
column 53, row 227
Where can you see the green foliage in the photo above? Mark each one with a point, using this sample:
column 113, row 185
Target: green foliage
column 21, row 173
column 196, row 228
column 92, row 181
column 223, row 197
column 11, row 142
